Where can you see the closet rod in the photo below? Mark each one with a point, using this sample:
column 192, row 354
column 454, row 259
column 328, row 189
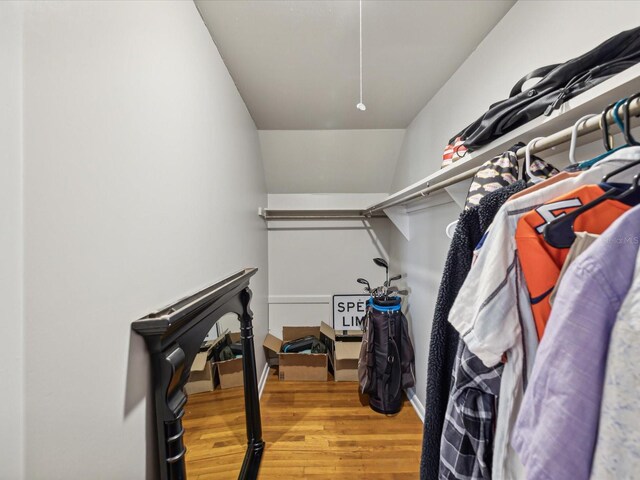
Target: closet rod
column 316, row 214
column 541, row 145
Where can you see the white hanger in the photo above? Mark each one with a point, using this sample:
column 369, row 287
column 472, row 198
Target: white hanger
column 451, row 228
column 527, row 161
column 574, row 137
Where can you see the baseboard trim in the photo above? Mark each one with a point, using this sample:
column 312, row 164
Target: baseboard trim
column 263, row 379
column 415, row 402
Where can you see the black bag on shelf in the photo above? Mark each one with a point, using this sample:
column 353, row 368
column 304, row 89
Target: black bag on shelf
column 558, row 83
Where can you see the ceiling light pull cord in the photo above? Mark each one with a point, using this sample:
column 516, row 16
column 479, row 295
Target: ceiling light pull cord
column 361, row 105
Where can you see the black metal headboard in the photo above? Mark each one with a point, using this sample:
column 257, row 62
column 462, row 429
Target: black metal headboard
column 173, row 336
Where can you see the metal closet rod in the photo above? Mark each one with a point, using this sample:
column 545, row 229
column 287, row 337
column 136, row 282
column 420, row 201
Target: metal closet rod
column 558, row 138
column 316, row 214
column 321, row 217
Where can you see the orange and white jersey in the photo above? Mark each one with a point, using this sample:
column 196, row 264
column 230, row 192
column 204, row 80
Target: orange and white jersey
column 541, row 263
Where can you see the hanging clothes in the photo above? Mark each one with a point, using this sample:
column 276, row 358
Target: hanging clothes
column 496, row 181
column 541, row 262
column 484, row 199
column 583, row 241
column 502, row 171
column 466, row 450
column 490, row 204
column 560, row 410
column 493, row 314
column 444, row 338
column 616, row 455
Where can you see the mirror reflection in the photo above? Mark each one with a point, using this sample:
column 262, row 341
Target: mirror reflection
column 214, row 421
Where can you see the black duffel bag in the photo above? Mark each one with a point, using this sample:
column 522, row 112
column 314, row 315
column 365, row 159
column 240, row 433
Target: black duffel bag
column 558, row 83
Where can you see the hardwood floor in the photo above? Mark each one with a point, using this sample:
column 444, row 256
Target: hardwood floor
column 313, row 430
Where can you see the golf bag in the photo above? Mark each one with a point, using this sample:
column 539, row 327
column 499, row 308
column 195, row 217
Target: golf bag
column 386, row 364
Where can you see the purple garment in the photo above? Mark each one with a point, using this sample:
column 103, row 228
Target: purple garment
column 557, row 426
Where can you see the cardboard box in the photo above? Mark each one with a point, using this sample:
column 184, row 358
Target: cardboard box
column 201, row 377
column 344, row 352
column 230, row 372
column 272, row 346
column 306, row 367
column 345, row 361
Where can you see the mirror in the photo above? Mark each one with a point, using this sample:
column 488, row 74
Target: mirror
column 174, row 337
column 214, row 420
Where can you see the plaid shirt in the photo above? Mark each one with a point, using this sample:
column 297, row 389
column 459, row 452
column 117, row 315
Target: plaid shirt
column 467, row 437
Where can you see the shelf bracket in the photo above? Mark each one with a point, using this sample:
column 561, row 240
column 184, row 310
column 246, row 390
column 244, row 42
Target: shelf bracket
column 400, row 218
column 458, row 191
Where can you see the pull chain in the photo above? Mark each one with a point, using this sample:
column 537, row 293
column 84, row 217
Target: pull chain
column 360, row 106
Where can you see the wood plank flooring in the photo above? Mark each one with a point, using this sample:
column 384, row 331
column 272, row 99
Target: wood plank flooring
column 313, row 430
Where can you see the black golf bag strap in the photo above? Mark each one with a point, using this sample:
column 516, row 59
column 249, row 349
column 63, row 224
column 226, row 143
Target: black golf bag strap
column 392, row 376
column 396, row 371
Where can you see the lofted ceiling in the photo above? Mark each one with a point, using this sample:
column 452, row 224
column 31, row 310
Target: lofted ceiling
column 296, row 62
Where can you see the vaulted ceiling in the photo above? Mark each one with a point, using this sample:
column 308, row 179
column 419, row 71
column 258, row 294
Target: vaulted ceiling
column 296, row 62
column 296, row 65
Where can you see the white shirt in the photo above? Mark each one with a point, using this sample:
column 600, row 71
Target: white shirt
column 492, row 311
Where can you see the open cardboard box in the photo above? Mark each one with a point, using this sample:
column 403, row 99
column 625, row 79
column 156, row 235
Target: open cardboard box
column 202, row 373
column 230, row 372
column 344, row 352
column 307, row 367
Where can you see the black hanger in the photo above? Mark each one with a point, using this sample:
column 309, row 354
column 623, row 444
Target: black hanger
column 560, row 234
column 624, row 168
column 627, row 121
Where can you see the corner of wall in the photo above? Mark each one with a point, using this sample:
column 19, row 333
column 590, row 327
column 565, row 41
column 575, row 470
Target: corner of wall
column 12, row 444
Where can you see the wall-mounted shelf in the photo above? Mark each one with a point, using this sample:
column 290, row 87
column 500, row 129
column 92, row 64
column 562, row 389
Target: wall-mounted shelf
column 593, row 100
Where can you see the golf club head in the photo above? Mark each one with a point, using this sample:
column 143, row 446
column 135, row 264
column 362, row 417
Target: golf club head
column 381, row 262
column 366, row 284
column 395, row 277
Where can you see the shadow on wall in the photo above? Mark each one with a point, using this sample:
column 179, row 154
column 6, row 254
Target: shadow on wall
column 138, row 389
column 381, row 240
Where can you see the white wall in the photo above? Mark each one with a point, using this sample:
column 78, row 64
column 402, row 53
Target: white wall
column 330, row 161
column 531, row 34
column 142, row 181
column 11, row 321
column 309, row 261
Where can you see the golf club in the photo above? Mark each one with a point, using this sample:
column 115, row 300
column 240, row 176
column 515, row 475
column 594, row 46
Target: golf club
column 393, row 279
column 364, row 282
column 394, row 289
column 381, row 262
